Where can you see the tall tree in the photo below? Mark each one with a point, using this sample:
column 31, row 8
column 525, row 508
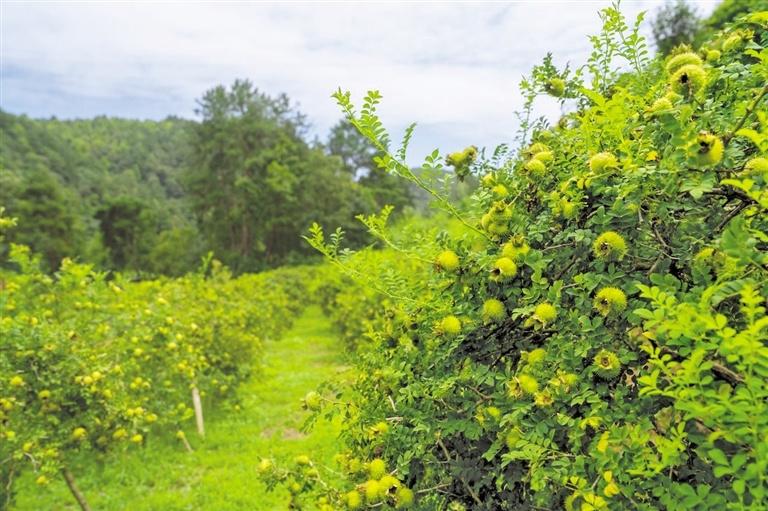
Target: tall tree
column 255, row 183
column 127, row 231
column 675, row 23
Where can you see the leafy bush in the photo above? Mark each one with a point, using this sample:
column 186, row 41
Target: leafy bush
column 596, row 339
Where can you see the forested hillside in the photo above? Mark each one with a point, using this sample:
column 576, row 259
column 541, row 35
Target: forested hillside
column 244, row 182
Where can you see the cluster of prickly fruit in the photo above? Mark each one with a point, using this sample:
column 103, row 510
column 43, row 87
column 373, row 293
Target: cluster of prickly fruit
column 461, row 161
column 496, row 220
column 380, row 487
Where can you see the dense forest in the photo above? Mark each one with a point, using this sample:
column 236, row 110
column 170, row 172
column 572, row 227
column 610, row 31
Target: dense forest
column 244, row 182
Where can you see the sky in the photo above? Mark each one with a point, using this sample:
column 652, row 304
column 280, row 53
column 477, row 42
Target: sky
column 453, row 68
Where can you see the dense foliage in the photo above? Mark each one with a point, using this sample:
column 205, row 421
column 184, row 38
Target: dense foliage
column 597, row 337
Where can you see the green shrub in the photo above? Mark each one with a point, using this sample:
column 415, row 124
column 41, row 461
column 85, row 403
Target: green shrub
column 623, row 364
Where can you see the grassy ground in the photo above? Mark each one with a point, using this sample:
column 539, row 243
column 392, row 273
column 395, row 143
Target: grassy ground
column 220, row 474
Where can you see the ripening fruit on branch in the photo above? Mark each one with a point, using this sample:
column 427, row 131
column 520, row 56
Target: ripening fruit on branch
column 404, row 498
column 522, row 384
column 377, row 468
column 17, row 381
column 450, row 326
column 660, row 106
column 373, row 493
column 682, row 59
column 302, row 460
column 462, row 160
column 556, row 87
column 606, row 364
column 610, row 300
column 709, row 150
column 544, row 156
column 756, row 166
column 535, row 167
column 503, row 269
column 515, row 248
column 137, row 438
column 601, row 162
column 312, row 401
column 493, row 311
column 543, row 314
column 79, row 433
column 353, row 500
column 265, row 466
column 610, row 245
column 713, row 55
column 688, row 80
column 447, row 261
column 500, row 191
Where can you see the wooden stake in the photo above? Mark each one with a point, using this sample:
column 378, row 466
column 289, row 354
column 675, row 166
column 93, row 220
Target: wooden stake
column 79, row 497
column 198, row 411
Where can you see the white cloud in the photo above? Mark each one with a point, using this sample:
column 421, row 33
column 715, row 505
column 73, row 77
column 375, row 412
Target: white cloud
column 453, row 67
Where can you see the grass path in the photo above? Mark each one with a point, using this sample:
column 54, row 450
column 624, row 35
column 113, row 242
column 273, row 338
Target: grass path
column 220, row 474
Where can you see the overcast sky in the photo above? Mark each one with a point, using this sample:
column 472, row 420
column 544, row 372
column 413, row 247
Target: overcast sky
column 453, row 68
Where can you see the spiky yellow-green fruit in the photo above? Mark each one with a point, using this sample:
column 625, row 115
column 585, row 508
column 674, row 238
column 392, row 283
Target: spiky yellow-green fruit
column 660, row 106
column 536, row 167
column 515, row 248
column 353, row 500
column 498, row 229
column 450, row 326
column 373, row 493
column 302, row 460
column 544, row 156
column 713, row 55
column 119, row 434
column 606, row 364
column 545, row 313
column 265, row 466
column 682, row 59
column 501, row 212
column 137, row 438
column 312, row 401
column 503, row 269
column 404, row 498
column 709, row 150
column 447, row 261
column 44, row 394
column 543, row 399
column 568, row 208
column 528, row 383
column 493, row 310
column 732, row 42
column 377, row 468
column 610, row 245
column 610, row 300
column 500, row 191
column 79, row 433
column 388, row 483
column 488, row 180
column 534, row 357
column 379, row 428
column 602, row 162
column 17, row 381
column 42, row 481
column 536, row 148
column 756, row 166
column 462, row 158
column 513, row 437
column 556, row 87
column 688, row 80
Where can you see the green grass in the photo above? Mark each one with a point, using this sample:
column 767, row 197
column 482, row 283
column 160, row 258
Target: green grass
column 220, row 475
